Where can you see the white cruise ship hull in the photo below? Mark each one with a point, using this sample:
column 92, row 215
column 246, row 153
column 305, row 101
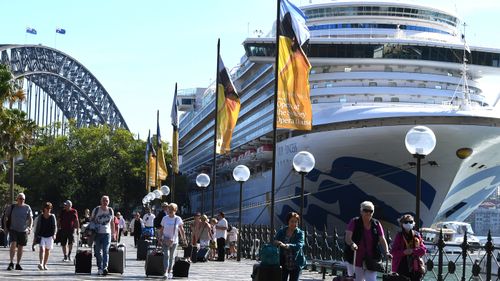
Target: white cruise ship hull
column 367, row 160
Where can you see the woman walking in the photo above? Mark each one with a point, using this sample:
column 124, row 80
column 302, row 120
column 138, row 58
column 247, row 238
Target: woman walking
column 46, row 233
column 171, row 226
column 407, row 250
column 363, row 235
column 290, row 240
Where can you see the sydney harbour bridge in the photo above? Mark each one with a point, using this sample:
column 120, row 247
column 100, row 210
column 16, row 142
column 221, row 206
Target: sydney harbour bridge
column 58, row 88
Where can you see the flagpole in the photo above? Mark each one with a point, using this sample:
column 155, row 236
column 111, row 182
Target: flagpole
column 157, row 152
column 148, row 188
column 275, row 118
column 215, row 127
column 176, row 152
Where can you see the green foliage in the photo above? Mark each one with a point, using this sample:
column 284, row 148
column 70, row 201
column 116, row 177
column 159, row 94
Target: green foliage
column 5, row 193
column 83, row 166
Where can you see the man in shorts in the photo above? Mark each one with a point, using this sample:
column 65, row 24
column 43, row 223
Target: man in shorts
column 19, row 220
column 68, row 222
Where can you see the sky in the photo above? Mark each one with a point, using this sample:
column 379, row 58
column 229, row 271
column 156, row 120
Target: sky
column 138, row 50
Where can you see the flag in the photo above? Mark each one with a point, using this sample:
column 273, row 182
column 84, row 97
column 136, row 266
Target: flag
column 148, row 147
column 61, row 31
column 162, row 166
column 293, row 93
column 175, row 134
column 151, row 170
column 228, row 109
column 31, row 30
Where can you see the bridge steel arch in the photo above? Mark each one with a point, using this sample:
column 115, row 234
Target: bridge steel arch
column 70, row 85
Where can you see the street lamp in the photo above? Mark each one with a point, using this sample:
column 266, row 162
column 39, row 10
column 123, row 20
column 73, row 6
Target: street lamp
column 202, row 181
column 303, row 163
column 241, row 173
column 419, row 141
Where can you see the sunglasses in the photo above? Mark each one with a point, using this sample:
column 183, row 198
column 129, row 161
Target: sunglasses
column 407, row 222
column 367, row 211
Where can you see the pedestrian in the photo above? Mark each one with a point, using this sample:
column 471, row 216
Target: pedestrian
column 364, row 234
column 160, row 215
column 171, row 227
column 121, row 225
column 232, row 238
column 68, row 223
column 137, row 226
column 204, row 234
column 196, row 228
column 407, row 249
column 45, row 231
column 220, row 235
column 18, row 222
column 103, row 216
column 86, row 217
column 148, row 220
column 290, row 240
column 213, row 240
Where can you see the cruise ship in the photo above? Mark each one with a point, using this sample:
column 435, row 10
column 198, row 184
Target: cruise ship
column 379, row 68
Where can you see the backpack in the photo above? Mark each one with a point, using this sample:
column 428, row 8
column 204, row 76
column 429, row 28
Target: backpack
column 269, row 255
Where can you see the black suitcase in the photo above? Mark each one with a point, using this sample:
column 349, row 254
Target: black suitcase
column 117, row 254
column 154, row 263
column 187, row 251
column 194, row 253
column 83, row 261
column 181, row 267
column 142, row 249
column 394, row 277
column 202, row 255
column 266, row 272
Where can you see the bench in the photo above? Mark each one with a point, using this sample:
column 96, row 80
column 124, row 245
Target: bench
column 333, row 265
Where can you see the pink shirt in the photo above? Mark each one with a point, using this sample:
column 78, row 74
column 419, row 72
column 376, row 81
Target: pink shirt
column 365, row 246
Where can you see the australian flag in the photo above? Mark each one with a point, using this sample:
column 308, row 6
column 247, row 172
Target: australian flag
column 61, row 31
column 30, row 30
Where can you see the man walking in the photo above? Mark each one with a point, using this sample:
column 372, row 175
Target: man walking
column 68, row 222
column 220, row 234
column 18, row 221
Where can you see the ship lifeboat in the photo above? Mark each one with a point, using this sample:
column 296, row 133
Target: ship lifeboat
column 248, row 156
column 264, row 152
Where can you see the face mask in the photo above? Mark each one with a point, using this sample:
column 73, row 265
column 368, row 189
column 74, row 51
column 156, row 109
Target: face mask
column 408, row 226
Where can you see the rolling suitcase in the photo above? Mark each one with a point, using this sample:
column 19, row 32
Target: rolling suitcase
column 187, row 251
column 181, row 267
column 117, row 254
column 202, row 255
column 142, row 249
column 83, row 261
column 266, row 272
column 154, row 263
column 194, row 253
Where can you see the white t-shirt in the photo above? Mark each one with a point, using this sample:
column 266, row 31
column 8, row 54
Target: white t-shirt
column 102, row 218
column 168, row 225
column 232, row 235
column 219, row 233
column 148, row 220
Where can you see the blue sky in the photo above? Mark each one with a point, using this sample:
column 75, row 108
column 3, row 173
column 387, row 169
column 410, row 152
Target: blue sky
column 138, row 50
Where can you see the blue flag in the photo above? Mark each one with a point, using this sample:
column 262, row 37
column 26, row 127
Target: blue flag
column 30, row 30
column 148, row 147
column 61, row 31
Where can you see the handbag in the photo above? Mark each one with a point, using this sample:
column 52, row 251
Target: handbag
column 372, row 264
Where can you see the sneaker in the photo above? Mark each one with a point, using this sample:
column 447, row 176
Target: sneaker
column 18, row 267
column 69, row 258
column 170, row 275
column 11, row 266
column 45, row 267
column 105, row 272
column 40, row 267
column 65, row 259
column 99, row 272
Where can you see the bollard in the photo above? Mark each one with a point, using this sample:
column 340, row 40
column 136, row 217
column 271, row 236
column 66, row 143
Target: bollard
column 465, row 248
column 489, row 255
column 440, row 245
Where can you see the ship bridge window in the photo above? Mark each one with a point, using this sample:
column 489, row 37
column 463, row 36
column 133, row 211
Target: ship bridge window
column 393, row 84
column 394, row 99
column 372, row 84
column 377, row 99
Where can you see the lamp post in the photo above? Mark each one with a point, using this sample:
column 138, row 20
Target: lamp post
column 420, row 141
column 303, row 163
column 241, row 173
column 202, row 181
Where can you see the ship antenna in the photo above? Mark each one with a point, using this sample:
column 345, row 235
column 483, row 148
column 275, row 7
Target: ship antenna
column 465, row 86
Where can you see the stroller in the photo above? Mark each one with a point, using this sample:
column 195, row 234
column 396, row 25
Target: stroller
column 85, row 236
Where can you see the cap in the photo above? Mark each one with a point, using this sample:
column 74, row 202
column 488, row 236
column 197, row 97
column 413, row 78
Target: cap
column 67, row 202
column 164, row 204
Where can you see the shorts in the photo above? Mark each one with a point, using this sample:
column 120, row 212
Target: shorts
column 21, row 238
column 67, row 237
column 47, row 242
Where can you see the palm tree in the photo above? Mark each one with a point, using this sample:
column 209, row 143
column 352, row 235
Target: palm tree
column 16, row 131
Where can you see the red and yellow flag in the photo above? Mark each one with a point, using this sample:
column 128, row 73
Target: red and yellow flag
column 228, row 109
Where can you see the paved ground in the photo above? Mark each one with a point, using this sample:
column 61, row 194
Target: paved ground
column 58, row 270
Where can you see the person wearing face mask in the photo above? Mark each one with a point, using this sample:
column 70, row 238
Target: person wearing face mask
column 407, row 249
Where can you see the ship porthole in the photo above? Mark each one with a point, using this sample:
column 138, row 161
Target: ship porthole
column 464, row 152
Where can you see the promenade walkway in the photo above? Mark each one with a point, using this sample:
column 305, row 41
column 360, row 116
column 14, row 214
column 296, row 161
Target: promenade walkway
column 229, row 270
